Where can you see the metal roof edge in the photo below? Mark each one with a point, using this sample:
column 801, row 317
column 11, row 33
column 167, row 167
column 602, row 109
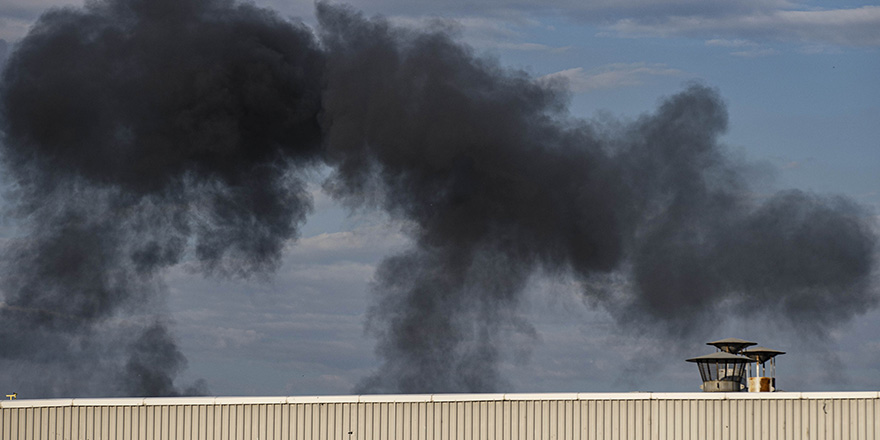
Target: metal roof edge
column 690, row 396
column 30, row 403
column 382, row 398
column 253, row 400
column 765, row 395
column 323, row 399
column 109, row 401
column 542, row 396
column 475, row 397
column 641, row 395
column 159, row 401
column 389, row 398
column 840, row 395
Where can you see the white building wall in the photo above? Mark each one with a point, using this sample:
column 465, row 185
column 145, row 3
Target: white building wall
column 452, row 416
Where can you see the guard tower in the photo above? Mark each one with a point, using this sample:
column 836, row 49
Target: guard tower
column 764, row 379
column 726, row 370
column 722, row 371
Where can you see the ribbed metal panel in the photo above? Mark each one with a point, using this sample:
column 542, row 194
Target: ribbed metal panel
column 638, row 416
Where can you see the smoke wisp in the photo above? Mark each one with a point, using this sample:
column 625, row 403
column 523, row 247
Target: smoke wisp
column 137, row 135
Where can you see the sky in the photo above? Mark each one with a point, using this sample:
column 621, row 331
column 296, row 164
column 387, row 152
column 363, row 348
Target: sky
column 799, row 81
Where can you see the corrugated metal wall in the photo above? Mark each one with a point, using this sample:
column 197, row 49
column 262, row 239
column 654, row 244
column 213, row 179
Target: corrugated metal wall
column 428, row 417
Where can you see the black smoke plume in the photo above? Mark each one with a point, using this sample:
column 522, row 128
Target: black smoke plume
column 138, row 134
column 496, row 181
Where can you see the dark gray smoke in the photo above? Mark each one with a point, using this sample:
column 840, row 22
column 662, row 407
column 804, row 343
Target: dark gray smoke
column 496, row 181
column 153, row 362
column 4, row 52
column 139, row 134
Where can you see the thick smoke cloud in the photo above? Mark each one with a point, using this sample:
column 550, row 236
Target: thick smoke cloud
column 140, row 134
column 496, row 181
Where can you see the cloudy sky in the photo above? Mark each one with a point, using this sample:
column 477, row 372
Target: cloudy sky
column 799, row 79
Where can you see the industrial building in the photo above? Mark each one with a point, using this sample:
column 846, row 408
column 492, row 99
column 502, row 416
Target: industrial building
column 721, row 412
column 716, row 415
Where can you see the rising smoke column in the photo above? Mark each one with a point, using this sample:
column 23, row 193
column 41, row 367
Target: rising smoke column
column 494, row 181
column 137, row 134
column 477, row 159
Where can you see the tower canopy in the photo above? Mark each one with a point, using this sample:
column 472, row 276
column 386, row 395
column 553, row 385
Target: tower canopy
column 761, row 354
column 731, row 345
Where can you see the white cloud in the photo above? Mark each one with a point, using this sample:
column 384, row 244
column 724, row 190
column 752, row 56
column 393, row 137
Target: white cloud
column 749, row 49
column 335, row 241
column 492, row 32
column 753, row 53
column 813, row 49
column 489, row 23
column 533, row 47
column 730, row 43
column 610, row 76
column 474, row 26
column 12, row 29
column 232, row 337
column 365, row 243
column 16, row 16
column 342, row 272
column 500, row 24
column 844, row 27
